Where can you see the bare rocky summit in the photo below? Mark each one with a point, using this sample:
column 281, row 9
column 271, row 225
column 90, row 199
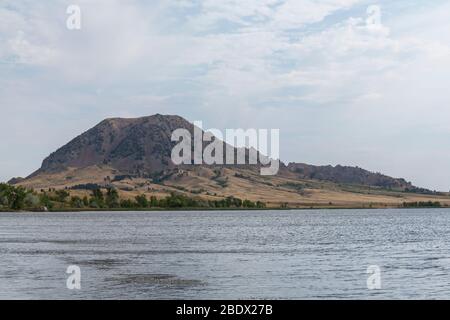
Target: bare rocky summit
column 133, row 146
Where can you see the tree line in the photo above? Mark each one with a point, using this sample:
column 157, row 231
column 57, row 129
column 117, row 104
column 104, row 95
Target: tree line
column 20, row 198
column 422, row 204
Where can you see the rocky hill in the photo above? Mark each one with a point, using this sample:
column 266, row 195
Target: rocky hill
column 350, row 175
column 134, row 156
column 142, row 147
column 133, row 146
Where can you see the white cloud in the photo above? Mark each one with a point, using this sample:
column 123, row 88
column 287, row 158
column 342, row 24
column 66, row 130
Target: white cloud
column 24, row 52
column 341, row 89
column 295, row 14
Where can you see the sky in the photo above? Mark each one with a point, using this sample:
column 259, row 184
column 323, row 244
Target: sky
column 350, row 82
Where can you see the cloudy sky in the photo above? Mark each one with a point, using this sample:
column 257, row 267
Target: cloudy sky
column 343, row 86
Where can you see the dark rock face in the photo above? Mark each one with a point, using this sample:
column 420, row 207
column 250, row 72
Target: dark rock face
column 348, row 175
column 140, row 146
column 136, row 146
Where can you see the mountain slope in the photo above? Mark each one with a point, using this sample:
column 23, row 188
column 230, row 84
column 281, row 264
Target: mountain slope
column 350, row 175
column 134, row 156
column 134, row 146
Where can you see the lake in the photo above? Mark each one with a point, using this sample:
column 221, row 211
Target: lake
column 298, row 254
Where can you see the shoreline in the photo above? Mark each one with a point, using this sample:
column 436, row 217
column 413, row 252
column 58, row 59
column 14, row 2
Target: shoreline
column 93, row 210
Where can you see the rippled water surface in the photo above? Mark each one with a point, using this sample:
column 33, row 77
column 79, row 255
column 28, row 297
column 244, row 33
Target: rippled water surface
column 226, row 254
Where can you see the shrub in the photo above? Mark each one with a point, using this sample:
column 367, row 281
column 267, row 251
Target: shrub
column 112, row 198
column 76, row 202
column 142, row 201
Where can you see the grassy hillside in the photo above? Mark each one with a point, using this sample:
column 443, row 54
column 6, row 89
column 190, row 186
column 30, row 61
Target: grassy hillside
column 205, row 184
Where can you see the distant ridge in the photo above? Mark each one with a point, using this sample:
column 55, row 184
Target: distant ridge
column 350, row 175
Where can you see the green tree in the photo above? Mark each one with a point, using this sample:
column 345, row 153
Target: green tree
column 17, row 198
column 142, row 201
column 128, row 204
column 260, row 205
column 97, row 199
column 248, row 204
column 45, row 200
column 31, row 201
column 178, row 201
column 76, row 202
column 153, row 202
column 112, row 198
column 4, row 195
column 62, row 195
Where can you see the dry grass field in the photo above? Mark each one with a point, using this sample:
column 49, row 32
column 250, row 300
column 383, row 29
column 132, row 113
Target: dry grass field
column 216, row 183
